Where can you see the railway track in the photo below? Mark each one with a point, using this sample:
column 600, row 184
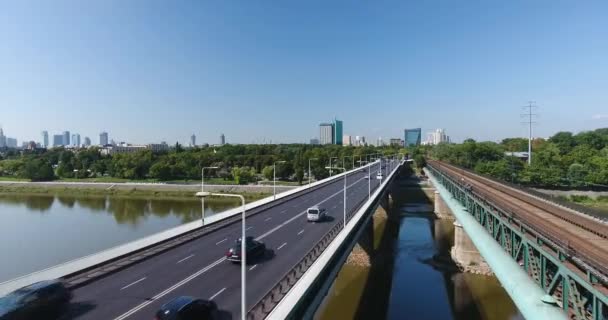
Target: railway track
column 584, row 237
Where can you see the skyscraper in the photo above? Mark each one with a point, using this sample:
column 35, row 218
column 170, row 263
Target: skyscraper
column 103, row 138
column 45, row 138
column 66, row 138
column 347, row 141
column 337, row 132
column 87, row 141
column 326, row 133
column 222, row 139
column 2, row 139
column 11, row 142
column 192, row 140
column 412, row 137
column 76, row 139
column 57, row 140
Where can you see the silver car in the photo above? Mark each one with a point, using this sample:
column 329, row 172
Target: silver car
column 315, row 214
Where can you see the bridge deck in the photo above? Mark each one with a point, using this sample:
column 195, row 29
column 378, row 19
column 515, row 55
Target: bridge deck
column 198, row 268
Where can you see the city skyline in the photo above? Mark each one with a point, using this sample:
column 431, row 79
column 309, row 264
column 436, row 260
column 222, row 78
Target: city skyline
column 381, row 67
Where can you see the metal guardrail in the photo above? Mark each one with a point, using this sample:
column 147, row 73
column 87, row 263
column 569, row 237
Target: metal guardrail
column 265, row 305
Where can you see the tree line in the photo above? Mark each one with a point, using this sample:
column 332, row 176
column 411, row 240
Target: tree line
column 563, row 160
column 239, row 163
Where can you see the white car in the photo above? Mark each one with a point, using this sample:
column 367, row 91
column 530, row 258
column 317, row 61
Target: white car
column 379, row 177
column 366, row 177
column 315, row 214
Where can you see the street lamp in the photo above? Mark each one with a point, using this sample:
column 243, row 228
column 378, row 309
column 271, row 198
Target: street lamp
column 330, row 164
column 203, row 190
column 309, row 175
column 203, row 194
column 344, row 226
column 274, row 179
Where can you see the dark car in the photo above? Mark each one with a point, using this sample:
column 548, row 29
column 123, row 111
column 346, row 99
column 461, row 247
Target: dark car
column 187, row 308
column 253, row 249
column 41, row 301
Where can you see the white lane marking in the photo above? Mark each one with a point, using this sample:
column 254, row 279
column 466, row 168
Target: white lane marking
column 207, row 268
column 301, row 231
column 284, row 211
column 255, row 265
column 334, row 207
column 217, row 243
column 132, row 283
column 281, row 246
column 186, row 258
column 170, row 289
column 217, row 294
column 248, row 228
column 268, row 219
column 303, row 212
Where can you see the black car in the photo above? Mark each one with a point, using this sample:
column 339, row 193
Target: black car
column 187, row 308
column 40, row 301
column 253, row 249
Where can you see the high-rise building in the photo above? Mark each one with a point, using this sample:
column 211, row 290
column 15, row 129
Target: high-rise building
column 338, row 132
column 314, row 141
column 436, row 137
column 66, row 138
column 103, row 138
column 2, row 139
column 45, row 138
column 396, row 142
column 357, row 141
column 362, row 141
column 87, row 141
column 222, row 139
column 11, row 142
column 326, row 133
column 193, row 140
column 346, row 140
column 57, row 140
column 412, row 137
column 76, row 139
column 380, row 143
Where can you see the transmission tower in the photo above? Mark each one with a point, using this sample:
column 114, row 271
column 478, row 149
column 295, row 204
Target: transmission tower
column 530, row 117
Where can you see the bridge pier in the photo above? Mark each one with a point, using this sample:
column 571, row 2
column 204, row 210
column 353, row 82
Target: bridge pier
column 466, row 255
column 440, row 207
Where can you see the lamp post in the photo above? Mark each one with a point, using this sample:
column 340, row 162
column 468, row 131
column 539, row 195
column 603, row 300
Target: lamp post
column 330, row 164
column 309, row 175
column 344, row 201
column 203, row 190
column 274, row 179
column 203, row 194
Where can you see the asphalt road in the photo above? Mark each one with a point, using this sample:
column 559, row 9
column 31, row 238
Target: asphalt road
column 198, row 268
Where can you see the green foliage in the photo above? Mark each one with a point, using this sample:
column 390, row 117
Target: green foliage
column 419, row 161
column 243, row 175
column 38, row 170
column 267, row 172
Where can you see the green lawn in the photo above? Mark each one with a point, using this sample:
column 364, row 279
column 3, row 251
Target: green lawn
column 12, row 179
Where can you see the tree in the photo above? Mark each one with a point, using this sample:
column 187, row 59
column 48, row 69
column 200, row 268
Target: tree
column 267, row 172
column 38, row 170
column 243, row 175
column 564, row 141
column 420, row 161
column 577, row 174
column 160, row 171
column 299, row 174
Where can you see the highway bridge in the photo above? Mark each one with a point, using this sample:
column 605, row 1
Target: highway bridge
column 134, row 285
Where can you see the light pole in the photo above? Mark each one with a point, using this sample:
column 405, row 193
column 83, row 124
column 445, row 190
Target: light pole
column 203, row 194
column 203, row 190
column 344, row 225
column 274, row 179
column 309, row 175
column 330, row 164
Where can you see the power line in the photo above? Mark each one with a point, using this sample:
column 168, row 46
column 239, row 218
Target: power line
column 530, row 120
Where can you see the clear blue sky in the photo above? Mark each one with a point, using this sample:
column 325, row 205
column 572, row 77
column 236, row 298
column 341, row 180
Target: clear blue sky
column 160, row 70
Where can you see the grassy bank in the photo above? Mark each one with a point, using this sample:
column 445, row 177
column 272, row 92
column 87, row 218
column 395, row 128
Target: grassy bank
column 600, row 202
column 131, row 192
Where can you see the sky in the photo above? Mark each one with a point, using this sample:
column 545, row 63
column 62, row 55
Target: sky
column 271, row 71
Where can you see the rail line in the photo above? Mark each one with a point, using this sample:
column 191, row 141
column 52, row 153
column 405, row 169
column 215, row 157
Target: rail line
column 583, row 236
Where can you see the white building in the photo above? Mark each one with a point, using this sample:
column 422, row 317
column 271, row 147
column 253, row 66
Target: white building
column 436, row 137
column 11, row 142
column 103, row 138
column 326, row 133
column 45, row 138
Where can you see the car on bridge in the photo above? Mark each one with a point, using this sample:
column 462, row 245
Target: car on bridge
column 315, row 214
column 253, row 249
column 188, row 308
column 41, row 300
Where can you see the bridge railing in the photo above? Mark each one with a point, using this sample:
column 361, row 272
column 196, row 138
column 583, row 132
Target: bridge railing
column 265, row 306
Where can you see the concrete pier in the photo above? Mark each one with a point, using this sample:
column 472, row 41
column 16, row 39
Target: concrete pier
column 465, row 254
column 441, row 209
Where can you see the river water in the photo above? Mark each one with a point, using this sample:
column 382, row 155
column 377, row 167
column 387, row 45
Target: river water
column 41, row 230
column 413, row 276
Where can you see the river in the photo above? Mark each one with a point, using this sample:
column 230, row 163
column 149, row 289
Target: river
column 40, row 230
column 413, row 275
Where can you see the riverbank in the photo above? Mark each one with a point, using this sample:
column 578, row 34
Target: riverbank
column 139, row 190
